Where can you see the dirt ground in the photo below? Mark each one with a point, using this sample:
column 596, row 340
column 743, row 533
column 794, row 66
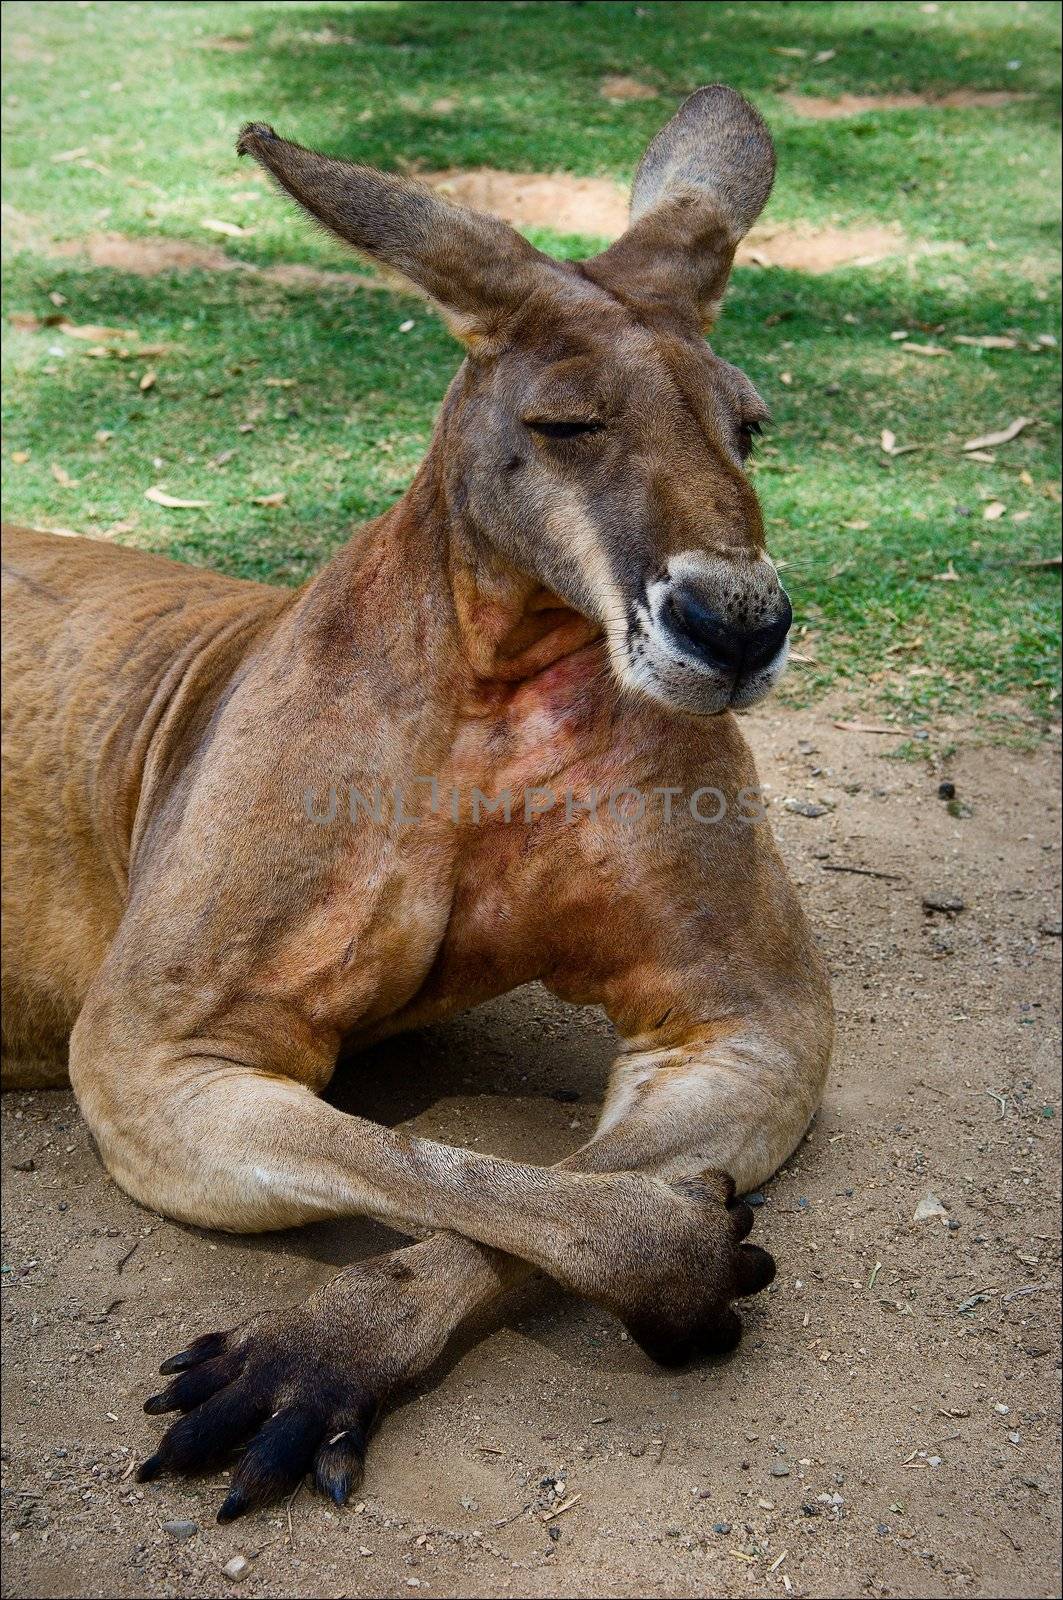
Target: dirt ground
column 888, row 1425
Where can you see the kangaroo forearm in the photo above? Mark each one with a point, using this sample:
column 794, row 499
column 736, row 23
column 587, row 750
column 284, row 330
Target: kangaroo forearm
column 654, row 1121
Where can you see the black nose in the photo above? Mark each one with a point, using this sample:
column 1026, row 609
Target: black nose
column 719, row 643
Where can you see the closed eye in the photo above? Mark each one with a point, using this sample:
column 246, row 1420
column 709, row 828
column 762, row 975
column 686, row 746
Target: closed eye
column 557, row 428
column 748, row 434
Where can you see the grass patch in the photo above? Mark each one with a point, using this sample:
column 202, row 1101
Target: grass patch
column 870, row 542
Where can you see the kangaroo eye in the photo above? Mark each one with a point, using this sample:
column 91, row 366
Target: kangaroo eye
column 554, row 428
column 748, row 434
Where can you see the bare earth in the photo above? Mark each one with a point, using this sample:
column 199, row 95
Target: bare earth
column 889, row 1424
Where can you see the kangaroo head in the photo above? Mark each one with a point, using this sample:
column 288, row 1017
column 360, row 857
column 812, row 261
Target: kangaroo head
column 592, row 438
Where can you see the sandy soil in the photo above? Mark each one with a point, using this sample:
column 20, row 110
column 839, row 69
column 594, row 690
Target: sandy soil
column 888, row 1425
column 822, row 109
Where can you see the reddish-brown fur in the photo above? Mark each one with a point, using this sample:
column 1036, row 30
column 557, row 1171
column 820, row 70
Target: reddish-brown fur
column 569, row 599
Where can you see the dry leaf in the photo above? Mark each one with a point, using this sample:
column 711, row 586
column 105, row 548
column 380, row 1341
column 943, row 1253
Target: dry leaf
column 231, row 230
column 890, row 446
column 981, row 455
column 950, row 575
column 1002, row 436
column 994, row 511
column 160, row 498
column 279, row 383
column 147, row 381
column 863, row 727
column 20, row 457
column 276, row 499
column 782, row 50
column 900, row 333
column 857, row 527
column 148, row 352
column 1021, row 516
column 94, row 333
column 786, row 377
column 986, row 341
column 923, row 349
column 72, row 155
column 62, row 477
column 56, row 298
column 821, row 57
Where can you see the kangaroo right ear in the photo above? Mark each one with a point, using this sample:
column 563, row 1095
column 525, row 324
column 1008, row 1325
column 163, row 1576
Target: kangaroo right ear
column 701, row 185
column 477, row 269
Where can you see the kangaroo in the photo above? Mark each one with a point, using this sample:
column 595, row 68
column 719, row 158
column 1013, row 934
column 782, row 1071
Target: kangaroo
column 248, row 827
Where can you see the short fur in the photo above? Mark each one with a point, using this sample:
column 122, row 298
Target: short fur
column 572, row 596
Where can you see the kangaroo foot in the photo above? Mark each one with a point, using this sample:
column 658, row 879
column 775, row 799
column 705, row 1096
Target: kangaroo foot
column 299, row 1389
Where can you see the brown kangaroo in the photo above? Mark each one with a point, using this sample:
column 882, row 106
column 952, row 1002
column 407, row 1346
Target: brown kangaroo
column 519, row 681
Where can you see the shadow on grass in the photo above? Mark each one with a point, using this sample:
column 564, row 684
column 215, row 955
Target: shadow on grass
column 518, row 87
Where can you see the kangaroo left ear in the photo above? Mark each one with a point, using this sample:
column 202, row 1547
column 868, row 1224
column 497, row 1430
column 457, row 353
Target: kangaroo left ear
column 701, row 185
column 477, row 269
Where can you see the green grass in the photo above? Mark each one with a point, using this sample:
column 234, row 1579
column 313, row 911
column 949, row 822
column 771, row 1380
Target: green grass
column 154, row 93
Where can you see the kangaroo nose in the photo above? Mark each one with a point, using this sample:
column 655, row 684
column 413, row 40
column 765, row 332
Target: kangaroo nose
column 719, row 643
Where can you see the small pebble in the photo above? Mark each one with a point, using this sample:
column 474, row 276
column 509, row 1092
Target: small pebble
column 236, row 1569
column 779, row 1469
column 806, row 808
column 946, row 790
column 181, row 1529
column 721, row 1527
column 947, row 903
column 755, row 1199
column 24, row 1166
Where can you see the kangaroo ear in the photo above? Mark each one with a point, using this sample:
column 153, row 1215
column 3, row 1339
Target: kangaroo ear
column 477, row 269
column 699, row 188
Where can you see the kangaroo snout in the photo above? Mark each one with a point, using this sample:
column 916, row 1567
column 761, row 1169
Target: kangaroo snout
column 703, row 627
column 711, row 634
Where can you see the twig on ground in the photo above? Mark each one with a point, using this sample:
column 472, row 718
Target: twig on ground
column 862, row 872
column 559, row 1511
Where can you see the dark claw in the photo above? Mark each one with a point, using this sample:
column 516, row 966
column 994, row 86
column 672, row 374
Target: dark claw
column 274, row 1461
column 192, row 1387
column 341, row 1463
column 755, row 1269
column 201, row 1349
column 235, row 1504
column 151, row 1468
column 741, row 1219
